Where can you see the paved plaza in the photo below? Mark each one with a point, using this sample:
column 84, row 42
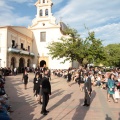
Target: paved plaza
column 65, row 102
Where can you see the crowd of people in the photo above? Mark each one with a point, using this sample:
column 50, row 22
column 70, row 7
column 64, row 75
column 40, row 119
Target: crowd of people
column 41, row 86
column 86, row 78
column 5, row 107
column 16, row 70
column 109, row 81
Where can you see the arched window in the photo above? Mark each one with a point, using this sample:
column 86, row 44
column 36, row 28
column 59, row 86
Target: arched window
column 46, row 12
column 41, row 13
column 43, row 1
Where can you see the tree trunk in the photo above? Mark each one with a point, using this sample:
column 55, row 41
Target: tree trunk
column 80, row 61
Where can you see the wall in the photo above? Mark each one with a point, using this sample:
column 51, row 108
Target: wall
column 19, row 37
column 3, row 45
column 52, row 34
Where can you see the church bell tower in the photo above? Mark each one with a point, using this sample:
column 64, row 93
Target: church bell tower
column 44, row 13
column 44, row 8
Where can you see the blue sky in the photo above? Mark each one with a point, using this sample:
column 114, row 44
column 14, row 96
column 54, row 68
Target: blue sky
column 101, row 16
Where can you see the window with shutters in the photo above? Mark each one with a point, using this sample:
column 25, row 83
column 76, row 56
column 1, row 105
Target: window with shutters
column 42, row 36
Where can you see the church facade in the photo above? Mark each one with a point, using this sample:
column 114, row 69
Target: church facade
column 27, row 47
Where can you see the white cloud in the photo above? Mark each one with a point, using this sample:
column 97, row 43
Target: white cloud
column 5, row 7
column 95, row 15
column 12, row 19
column 8, row 17
column 109, row 33
column 22, row 1
column 99, row 15
column 55, row 2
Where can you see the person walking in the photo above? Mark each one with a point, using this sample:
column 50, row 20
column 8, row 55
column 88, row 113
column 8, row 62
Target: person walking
column 111, row 87
column 46, row 91
column 87, row 90
column 25, row 79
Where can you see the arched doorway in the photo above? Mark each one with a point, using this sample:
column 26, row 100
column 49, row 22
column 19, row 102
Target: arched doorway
column 28, row 63
column 42, row 63
column 13, row 61
column 21, row 65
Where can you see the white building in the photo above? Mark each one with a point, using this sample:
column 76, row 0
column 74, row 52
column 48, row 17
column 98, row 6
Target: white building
column 20, row 46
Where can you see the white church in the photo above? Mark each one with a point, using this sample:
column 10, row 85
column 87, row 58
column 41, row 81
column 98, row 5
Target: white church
column 26, row 47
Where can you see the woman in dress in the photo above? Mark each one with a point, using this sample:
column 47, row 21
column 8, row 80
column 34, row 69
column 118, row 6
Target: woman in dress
column 25, row 79
column 111, row 87
column 37, row 87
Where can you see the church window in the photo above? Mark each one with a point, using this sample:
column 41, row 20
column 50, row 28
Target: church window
column 46, row 12
column 43, row 1
column 43, row 37
column 41, row 13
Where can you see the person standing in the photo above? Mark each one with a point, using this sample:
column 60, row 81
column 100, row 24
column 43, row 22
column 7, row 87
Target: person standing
column 49, row 74
column 36, row 88
column 81, row 81
column 87, row 89
column 15, row 71
column 111, row 87
column 40, row 86
column 46, row 91
column 25, row 79
column 69, row 77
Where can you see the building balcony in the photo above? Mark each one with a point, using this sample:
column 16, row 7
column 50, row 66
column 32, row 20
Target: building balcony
column 21, row 52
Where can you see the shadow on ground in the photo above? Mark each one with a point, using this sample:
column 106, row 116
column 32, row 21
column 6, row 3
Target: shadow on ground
column 81, row 111
column 64, row 99
column 19, row 100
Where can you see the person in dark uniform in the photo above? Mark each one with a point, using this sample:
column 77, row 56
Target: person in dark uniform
column 49, row 74
column 46, row 91
column 87, row 89
column 37, row 85
column 36, row 88
column 40, row 85
column 69, row 76
column 25, row 79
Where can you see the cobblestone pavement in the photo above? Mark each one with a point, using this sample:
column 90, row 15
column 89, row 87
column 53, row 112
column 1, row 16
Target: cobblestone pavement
column 65, row 102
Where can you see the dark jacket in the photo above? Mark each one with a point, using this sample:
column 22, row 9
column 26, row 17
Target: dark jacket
column 88, row 85
column 46, row 86
column 25, row 78
column 37, row 83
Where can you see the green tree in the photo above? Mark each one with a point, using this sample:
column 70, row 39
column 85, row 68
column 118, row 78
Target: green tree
column 113, row 54
column 73, row 47
column 96, row 51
